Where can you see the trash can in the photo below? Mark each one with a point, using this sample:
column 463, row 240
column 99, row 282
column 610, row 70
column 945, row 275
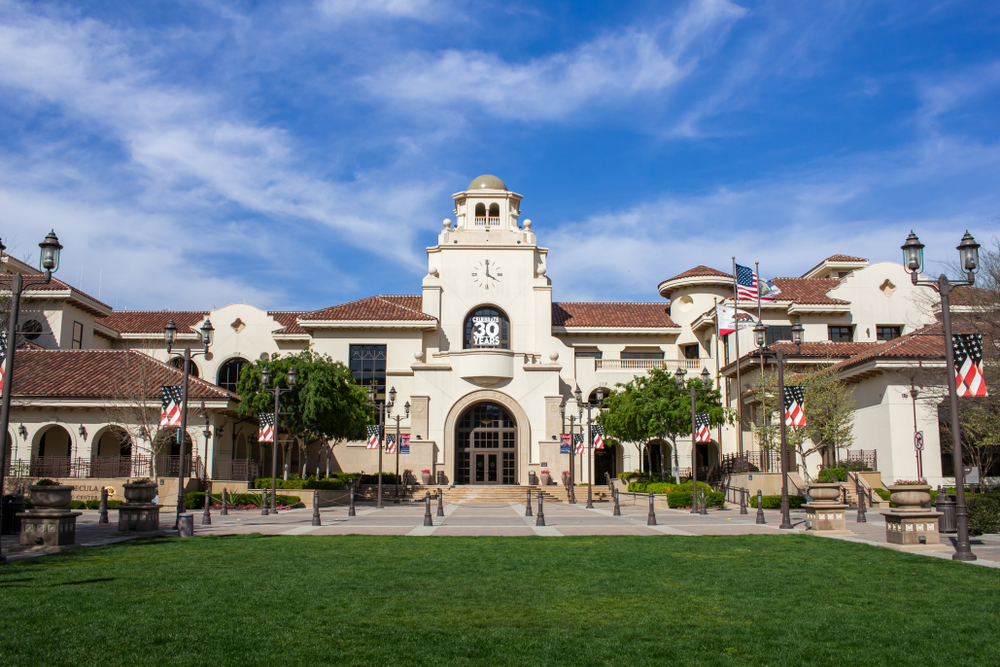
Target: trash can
column 532, row 479
column 440, row 476
column 185, row 525
column 948, row 523
column 10, row 524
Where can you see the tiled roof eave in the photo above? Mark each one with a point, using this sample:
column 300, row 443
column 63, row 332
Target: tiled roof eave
column 805, row 308
column 369, row 324
column 611, row 331
column 877, row 365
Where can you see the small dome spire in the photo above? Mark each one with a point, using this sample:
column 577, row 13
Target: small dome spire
column 487, row 182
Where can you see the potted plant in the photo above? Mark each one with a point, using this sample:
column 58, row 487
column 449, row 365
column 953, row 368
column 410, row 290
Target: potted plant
column 566, row 480
column 408, row 477
column 910, row 495
column 50, row 494
column 139, row 491
column 822, row 492
column 425, row 477
column 546, row 478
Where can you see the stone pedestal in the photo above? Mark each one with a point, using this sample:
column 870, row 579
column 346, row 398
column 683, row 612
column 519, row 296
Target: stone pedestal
column 138, row 518
column 47, row 530
column 827, row 519
column 903, row 530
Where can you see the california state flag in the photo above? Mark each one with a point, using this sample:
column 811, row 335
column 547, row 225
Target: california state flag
column 729, row 319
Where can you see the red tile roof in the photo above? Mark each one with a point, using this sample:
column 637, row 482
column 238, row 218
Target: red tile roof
column 288, row 320
column 375, row 308
column 836, row 258
column 811, row 291
column 925, row 343
column 611, row 314
column 54, row 285
column 822, row 349
column 153, row 321
column 700, row 271
column 100, row 374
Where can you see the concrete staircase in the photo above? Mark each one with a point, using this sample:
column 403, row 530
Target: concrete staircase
column 472, row 493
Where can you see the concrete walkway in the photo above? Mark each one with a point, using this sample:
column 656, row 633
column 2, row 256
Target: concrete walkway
column 505, row 520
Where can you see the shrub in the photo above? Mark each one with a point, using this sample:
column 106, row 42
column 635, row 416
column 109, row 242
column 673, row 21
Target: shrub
column 830, row 476
column 774, row 502
column 196, row 501
column 683, row 498
column 96, row 504
column 46, row 482
column 984, row 514
column 885, row 493
column 627, row 476
column 332, row 483
column 76, row 505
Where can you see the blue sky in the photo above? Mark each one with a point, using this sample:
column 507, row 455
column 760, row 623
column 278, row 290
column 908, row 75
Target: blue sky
column 295, row 155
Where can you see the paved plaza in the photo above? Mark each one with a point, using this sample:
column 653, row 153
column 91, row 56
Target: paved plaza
column 503, row 520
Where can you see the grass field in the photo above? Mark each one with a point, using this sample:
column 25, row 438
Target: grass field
column 355, row 600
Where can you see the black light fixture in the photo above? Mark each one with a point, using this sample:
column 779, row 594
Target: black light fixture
column 290, row 377
column 83, row 432
column 371, row 394
column 760, row 334
column 797, row 331
column 578, row 395
column 406, row 407
column 562, row 409
column 600, row 396
column 21, row 429
column 392, row 397
column 265, row 377
column 207, row 333
column 170, row 334
column 968, row 253
column 706, row 377
column 49, row 256
column 679, row 377
column 913, row 254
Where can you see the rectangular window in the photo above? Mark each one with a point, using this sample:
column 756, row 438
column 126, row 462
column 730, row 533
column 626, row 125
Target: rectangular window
column 77, row 336
column 589, row 354
column 776, row 332
column 840, row 334
column 368, row 367
column 692, row 351
column 642, row 355
column 887, row 333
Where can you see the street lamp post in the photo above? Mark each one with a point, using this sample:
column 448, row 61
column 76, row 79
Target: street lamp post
column 913, row 256
column 778, row 356
column 694, row 390
column 590, row 444
column 571, row 492
column 49, row 263
column 277, row 390
column 382, row 407
column 169, row 336
column 406, row 408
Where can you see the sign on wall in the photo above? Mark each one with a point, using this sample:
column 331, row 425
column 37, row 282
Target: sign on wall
column 486, row 331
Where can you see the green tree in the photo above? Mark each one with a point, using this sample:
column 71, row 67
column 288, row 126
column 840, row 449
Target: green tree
column 326, row 403
column 652, row 406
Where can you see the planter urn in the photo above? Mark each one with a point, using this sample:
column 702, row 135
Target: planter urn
column 546, row 479
column 824, row 494
column 566, row 479
column 139, row 493
column 51, row 497
column 425, row 478
column 910, row 497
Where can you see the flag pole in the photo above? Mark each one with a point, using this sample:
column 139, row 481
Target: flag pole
column 756, row 268
column 739, row 383
column 718, row 378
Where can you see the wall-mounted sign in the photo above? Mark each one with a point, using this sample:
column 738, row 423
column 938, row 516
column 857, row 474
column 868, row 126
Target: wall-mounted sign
column 486, row 331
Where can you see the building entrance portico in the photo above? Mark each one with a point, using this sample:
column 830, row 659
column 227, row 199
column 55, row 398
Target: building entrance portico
column 486, row 446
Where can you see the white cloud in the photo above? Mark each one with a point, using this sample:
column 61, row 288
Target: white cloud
column 599, row 72
column 353, row 9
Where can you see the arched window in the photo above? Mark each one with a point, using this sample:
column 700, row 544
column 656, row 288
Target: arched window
column 229, row 373
column 178, row 363
column 480, row 210
column 494, row 210
column 487, row 327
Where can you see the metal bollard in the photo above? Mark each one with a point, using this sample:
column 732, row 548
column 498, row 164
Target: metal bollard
column 440, row 511
column 743, row 501
column 350, row 508
column 428, row 521
column 651, row 517
column 694, row 501
column 617, row 511
column 527, row 508
column 540, row 519
column 102, row 512
column 206, row 516
column 704, row 510
column 263, row 503
column 760, row 507
column 862, row 515
column 225, row 503
column 316, row 520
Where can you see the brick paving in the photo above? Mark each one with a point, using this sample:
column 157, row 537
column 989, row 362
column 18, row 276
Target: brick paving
column 505, row 520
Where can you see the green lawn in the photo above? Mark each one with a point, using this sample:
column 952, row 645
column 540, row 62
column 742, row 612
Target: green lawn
column 253, row 600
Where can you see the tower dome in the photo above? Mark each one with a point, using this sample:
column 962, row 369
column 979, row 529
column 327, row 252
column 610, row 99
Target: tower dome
column 487, row 182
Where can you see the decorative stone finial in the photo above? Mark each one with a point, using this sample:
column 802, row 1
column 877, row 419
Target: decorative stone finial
column 447, row 223
column 553, row 355
column 418, row 355
column 527, row 224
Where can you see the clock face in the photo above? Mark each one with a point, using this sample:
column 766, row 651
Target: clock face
column 486, row 275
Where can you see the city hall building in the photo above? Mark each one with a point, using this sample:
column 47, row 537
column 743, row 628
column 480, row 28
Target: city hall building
column 480, row 352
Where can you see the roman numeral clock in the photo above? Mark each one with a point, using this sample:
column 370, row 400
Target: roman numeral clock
column 486, row 275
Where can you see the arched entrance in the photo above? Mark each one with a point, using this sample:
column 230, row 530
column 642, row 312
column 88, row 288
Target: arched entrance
column 486, row 446
column 605, row 463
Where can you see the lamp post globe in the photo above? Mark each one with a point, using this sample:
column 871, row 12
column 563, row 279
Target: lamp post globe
column 170, row 333
column 760, row 334
column 49, row 259
column 265, row 377
column 706, row 377
column 913, row 253
column 679, row 377
column 291, row 377
column 207, row 333
column 797, row 331
column 968, row 253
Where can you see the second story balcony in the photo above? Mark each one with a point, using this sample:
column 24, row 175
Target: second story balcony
column 619, row 365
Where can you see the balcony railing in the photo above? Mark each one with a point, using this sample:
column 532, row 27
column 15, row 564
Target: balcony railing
column 235, row 469
column 137, row 465
column 646, row 364
column 484, row 221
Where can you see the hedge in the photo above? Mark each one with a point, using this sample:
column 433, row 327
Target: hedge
column 196, row 500
column 774, row 502
column 665, row 487
column 984, row 514
column 332, row 483
column 683, row 498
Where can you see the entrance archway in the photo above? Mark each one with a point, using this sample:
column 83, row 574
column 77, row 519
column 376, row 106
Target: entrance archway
column 605, row 463
column 486, row 446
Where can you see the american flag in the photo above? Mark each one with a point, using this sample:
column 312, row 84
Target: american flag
column 266, row 433
column 968, row 350
column 746, row 283
column 795, row 406
column 578, row 441
column 170, row 413
column 597, row 434
column 390, row 443
column 373, row 436
column 702, row 422
column 3, row 356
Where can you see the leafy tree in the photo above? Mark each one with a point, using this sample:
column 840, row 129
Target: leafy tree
column 326, row 403
column 651, row 406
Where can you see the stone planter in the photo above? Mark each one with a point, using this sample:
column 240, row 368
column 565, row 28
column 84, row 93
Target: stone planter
column 425, row 478
column 139, row 493
column 546, row 479
column 566, row 479
column 910, row 497
column 51, row 497
column 825, row 493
